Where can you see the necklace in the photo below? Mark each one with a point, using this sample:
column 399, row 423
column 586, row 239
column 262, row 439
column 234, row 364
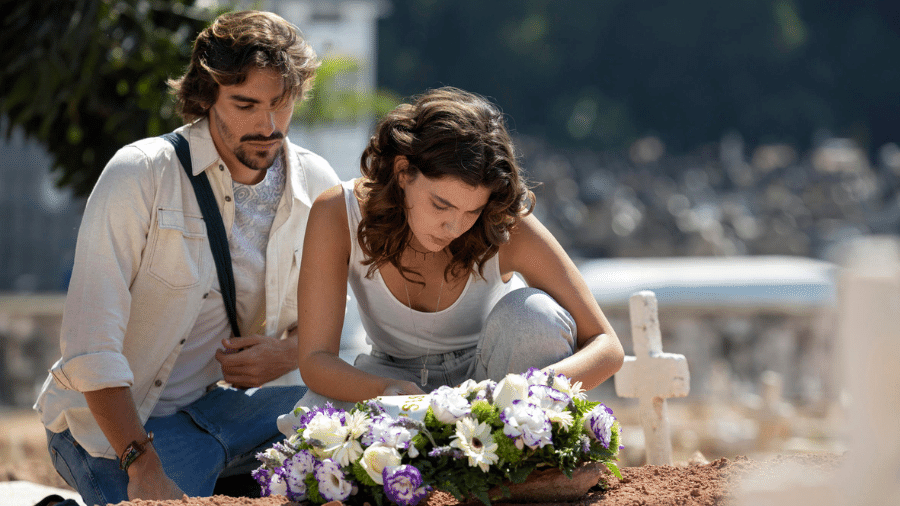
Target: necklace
column 423, row 374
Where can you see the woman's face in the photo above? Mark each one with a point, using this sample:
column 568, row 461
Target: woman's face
column 440, row 210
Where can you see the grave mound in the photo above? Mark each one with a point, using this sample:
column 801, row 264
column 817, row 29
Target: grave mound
column 705, row 484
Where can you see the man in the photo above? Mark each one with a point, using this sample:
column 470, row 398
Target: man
column 145, row 336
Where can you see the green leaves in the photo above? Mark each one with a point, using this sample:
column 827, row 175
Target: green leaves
column 86, row 77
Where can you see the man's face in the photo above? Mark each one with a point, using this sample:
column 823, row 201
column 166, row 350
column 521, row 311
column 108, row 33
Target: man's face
column 248, row 125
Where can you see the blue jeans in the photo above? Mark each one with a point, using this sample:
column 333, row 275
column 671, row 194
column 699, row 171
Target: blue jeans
column 526, row 328
column 216, row 436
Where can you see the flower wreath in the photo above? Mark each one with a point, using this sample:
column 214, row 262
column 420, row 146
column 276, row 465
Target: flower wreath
column 464, row 440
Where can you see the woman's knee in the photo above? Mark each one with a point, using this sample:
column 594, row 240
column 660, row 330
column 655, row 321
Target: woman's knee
column 527, row 328
column 530, row 314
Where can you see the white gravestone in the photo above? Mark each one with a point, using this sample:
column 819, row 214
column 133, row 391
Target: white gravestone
column 869, row 330
column 652, row 376
column 867, row 359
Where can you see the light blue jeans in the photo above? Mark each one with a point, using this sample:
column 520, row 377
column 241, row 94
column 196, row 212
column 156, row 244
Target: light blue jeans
column 215, row 437
column 527, row 328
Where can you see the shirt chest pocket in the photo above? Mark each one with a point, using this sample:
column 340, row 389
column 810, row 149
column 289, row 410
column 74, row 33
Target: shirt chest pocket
column 176, row 249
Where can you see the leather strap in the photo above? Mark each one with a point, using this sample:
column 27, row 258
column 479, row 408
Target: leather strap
column 215, row 229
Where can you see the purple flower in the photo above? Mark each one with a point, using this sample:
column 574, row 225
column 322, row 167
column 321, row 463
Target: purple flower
column 262, row 476
column 403, row 485
column 270, row 482
column 373, row 407
column 332, row 485
column 449, row 405
column 599, row 422
column 441, row 451
column 585, row 444
column 296, row 469
column 526, row 424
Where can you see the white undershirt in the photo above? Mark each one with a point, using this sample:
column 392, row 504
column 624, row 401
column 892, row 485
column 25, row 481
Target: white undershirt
column 196, row 366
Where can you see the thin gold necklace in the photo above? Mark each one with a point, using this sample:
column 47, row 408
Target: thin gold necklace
column 423, row 374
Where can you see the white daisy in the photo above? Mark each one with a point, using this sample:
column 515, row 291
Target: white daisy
column 476, row 442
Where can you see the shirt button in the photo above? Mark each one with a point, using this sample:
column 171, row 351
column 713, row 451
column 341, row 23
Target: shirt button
column 205, row 295
column 182, row 341
column 221, row 167
column 227, row 198
column 158, row 383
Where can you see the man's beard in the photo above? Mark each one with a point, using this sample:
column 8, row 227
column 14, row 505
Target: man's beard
column 253, row 160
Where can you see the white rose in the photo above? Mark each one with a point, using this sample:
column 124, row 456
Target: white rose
column 376, row 458
column 328, row 431
column 514, row 387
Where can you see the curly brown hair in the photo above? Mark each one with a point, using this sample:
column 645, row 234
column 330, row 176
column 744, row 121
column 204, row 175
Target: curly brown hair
column 445, row 132
column 234, row 44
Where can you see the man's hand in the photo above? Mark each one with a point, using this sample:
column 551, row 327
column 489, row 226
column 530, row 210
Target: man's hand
column 252, row 361
column 403, row 388
column 148, row 480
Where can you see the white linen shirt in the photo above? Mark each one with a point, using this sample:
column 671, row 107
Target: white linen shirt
column 143, row 265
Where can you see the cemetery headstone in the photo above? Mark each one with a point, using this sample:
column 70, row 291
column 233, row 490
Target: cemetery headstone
column 652, row 376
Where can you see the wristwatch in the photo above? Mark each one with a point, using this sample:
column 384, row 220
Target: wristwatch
column 134, row 450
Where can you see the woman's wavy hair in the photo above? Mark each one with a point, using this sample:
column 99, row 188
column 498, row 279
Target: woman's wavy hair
column 234, row 44
column 445, row 132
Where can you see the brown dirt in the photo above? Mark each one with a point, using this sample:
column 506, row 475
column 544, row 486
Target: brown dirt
column 23, row 456
column 706, row 484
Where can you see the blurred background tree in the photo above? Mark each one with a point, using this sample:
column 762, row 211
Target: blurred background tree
column 85, row 77
column 331, row 103
column 600, row 74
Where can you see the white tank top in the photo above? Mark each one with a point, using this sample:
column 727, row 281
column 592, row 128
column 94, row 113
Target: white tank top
column 401, row 332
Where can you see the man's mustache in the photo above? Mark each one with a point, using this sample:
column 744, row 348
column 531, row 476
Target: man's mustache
column 261, row 138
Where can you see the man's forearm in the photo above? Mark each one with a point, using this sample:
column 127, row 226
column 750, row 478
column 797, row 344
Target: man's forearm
column 115, row 413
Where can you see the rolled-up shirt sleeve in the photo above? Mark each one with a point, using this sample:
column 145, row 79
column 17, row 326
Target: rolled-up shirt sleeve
column 108, row 253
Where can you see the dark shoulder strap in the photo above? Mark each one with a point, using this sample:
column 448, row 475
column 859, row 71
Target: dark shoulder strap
column 215, row 229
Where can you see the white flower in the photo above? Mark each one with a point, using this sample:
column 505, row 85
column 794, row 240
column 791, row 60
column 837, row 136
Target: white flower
column 273, row 456
column 466, row 387
column 514, row 387
column 326, row 434
column 563, row 418
column 536, row 376
column 448, row 405
column 357, row 423
column 332, row 485
column 598, row 423
column 480, row 388
column 376, row 458
column 476, row 442
column 571, row 388
column 527, row 424
column 277, row 485
column 294, row 441
column 331, row 438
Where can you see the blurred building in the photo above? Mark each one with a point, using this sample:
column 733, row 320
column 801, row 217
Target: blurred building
column 40, row 220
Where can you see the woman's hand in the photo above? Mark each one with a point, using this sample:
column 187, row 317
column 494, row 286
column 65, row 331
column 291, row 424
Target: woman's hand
column 397, row 387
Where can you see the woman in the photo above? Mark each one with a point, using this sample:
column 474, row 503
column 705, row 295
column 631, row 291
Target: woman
column 429, row 239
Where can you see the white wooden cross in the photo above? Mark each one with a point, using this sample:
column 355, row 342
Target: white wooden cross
column 652, row 376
